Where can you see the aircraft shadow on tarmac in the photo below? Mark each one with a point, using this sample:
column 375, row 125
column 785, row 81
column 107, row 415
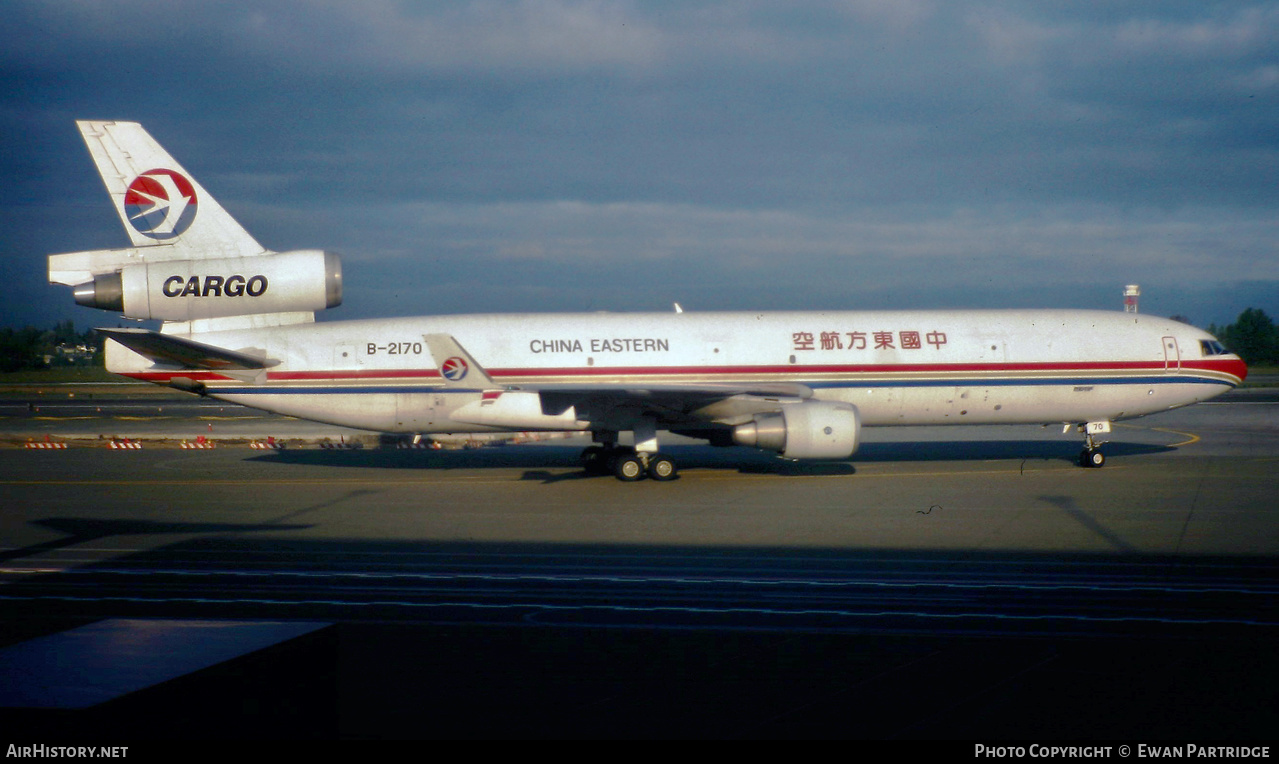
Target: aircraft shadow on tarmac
column 78, row 530
column 539, row 460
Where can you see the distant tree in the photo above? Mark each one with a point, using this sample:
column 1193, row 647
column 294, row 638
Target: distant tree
column 1253, row 336
column 64, row 333
column 21, row 349
column 32, row 348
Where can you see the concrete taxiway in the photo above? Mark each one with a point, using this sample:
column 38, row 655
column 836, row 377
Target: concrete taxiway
column 945, row 583
column 1194, row 481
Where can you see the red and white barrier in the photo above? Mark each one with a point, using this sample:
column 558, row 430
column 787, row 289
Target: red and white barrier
column 270, row 444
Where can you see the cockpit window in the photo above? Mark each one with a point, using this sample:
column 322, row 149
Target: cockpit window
column 1212, row 347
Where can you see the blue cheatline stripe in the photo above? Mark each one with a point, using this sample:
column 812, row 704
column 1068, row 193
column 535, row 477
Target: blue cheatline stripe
column 1043, row 382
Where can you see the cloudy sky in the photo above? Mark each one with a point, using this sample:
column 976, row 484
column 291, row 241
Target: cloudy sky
column 564, row 155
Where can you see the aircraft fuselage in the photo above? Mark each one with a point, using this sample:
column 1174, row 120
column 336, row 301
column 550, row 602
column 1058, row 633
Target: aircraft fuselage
column 896, row 367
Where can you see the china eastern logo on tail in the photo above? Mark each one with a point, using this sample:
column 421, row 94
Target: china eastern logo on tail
column 453, row 369
column 160, row 204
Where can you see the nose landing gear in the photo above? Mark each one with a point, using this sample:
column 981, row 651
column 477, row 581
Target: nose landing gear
column 1092, row 456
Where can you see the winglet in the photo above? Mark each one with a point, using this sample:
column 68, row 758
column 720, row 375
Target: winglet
column 457, row 367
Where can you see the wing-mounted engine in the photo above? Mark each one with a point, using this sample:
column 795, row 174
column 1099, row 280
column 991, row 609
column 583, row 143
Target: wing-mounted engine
column 808, row 430
column 189, row 290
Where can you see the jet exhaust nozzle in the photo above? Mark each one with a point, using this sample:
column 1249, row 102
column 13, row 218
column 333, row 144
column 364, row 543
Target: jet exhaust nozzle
column 105, row 292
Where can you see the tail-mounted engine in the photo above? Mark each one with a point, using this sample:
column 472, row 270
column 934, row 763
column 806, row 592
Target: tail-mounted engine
column 808, row 430
column 186, row 290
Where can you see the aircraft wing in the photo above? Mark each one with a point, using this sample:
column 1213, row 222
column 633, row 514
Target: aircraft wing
column 620, row 406
column 188, row 354
column 673, row 405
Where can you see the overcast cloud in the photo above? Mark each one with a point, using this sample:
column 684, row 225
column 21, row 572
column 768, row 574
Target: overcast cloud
column 546, row 156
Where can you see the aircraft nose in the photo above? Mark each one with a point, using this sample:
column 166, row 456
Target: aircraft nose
column 1221, row 359
column 1239, row 369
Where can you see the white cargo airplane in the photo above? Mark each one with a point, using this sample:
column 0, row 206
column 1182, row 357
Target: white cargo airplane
column 239, row 325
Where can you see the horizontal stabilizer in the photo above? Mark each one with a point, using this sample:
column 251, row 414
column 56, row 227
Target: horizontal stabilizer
column 168, row 349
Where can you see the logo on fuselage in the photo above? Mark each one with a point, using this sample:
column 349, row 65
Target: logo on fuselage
column 160, row 204
column 453, row 369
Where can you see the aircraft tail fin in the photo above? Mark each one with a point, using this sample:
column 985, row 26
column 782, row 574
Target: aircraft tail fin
column 157, row 200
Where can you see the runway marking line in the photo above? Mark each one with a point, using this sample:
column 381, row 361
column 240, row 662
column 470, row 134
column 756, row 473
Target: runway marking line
column 1193, row 438
column 30, row 571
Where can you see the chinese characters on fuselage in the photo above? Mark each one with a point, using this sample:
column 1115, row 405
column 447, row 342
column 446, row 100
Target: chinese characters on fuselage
column 879, row 340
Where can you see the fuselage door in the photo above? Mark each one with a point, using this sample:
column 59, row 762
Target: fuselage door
column 1172, row 356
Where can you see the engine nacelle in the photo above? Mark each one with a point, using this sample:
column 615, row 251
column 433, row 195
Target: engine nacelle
column 808, row 430
column 186, row 290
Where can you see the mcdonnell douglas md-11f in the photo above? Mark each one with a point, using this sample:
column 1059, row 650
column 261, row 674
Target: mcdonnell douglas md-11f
column 239, row 325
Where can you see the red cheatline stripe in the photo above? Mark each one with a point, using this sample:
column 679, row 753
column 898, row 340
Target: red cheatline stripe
column 1226, row 366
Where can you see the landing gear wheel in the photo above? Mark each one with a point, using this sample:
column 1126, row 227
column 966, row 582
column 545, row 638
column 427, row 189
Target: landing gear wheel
column 1091, row 457
column 661, row 467
column 628, row 467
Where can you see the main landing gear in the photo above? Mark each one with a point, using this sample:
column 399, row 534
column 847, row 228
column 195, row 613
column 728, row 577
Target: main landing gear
column 628, row 463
